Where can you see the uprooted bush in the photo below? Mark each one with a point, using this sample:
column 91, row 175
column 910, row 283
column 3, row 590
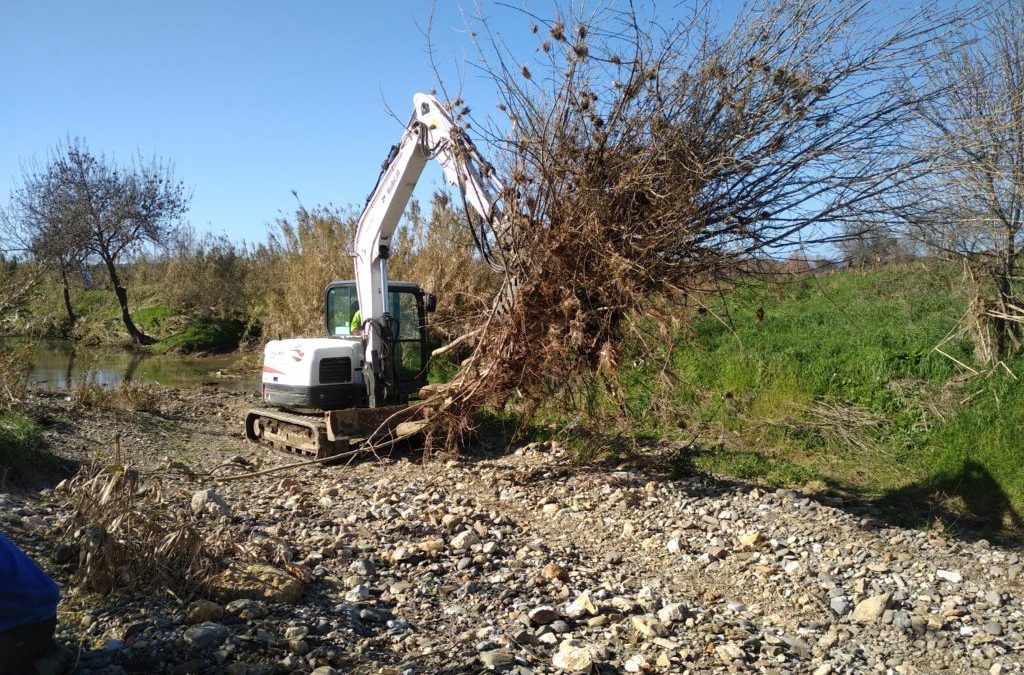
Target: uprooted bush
column 649, row 159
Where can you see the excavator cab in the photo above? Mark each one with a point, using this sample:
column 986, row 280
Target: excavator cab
column 406, row 347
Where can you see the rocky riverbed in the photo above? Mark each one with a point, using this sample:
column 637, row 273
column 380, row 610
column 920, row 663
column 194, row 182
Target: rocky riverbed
column 516, row 561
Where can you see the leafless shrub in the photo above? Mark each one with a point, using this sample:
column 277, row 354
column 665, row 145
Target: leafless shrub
column 90, row 396
column 664, row 156
column 139, row 396
column 968, row 206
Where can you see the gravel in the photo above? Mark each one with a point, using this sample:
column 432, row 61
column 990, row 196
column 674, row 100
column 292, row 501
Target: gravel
column 464, row 566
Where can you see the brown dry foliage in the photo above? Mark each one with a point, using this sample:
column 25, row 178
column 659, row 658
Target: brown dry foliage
column 302, row 256
column 647, row 159
column 135, row 533
column 129, row 395
column 207, row 274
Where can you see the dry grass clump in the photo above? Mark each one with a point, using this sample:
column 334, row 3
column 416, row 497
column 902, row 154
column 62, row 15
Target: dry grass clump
column 135, row 533
column 207, row 274
column 129, row 395
column 648, row 160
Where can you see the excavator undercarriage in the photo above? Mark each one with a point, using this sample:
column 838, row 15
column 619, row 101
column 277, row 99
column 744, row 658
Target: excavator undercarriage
column 333, row 432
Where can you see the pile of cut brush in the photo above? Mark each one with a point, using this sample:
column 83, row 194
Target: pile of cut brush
column 648, row 160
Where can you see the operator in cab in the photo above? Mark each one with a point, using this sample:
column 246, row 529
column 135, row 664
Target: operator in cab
column 355, row 326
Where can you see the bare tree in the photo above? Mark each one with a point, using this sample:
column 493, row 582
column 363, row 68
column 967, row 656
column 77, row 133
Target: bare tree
column 971, row 205
column 650, row 156
column 871, row 245
column 44, row 228
column 17, row 279
column 82, row 204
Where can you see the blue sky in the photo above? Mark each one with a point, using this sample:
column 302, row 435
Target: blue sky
column 249, row 100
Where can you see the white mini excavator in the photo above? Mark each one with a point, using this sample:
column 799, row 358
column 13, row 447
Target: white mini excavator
column 326, row 394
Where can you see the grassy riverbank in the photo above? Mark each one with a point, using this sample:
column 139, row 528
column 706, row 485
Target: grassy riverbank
column 837, row 385
column 98, row 322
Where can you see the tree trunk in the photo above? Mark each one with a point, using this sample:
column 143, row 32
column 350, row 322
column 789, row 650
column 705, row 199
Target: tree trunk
column 1006, row 331
column 67, row 297
column 138, row 337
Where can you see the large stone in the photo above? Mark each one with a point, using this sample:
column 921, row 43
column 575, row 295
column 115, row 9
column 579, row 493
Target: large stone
column 583, row 605
column 254, row 581
column 729, row 652
column 648, row 626
column 572, row 657
column 672, row 613
column 543, row 615
column 210, row 501
column 497, row 658
column 204, row 610
column 207, row 634
column 554, row 571
column 870, row 610
column 247, row 609
column 839, row 604
column 358, row 593
column 465, row 539
column 637, row 664
column 364, row 567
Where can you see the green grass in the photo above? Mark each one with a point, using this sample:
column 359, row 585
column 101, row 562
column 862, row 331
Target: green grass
column 152, row 319
column 840, row 383
column 19, row 438
column 204, row 335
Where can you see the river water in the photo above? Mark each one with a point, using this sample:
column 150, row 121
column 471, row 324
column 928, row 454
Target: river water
column 65, row 365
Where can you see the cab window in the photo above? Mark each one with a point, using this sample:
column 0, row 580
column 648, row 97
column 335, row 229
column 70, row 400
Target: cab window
column 341, row 305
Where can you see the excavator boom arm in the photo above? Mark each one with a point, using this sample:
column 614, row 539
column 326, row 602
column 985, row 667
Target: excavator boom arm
column 431, row 134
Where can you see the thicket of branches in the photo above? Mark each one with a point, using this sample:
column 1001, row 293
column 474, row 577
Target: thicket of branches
column 647, row 159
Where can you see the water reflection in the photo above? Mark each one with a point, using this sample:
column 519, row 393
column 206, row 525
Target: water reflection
column 65, row 365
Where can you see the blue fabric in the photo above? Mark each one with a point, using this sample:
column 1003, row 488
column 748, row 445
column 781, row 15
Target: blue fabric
column 27, row 595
